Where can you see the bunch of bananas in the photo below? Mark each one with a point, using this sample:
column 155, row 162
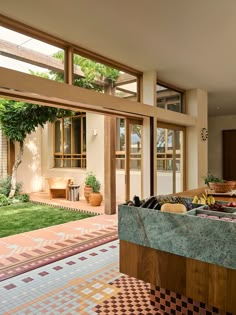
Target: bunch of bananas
column 205, row 200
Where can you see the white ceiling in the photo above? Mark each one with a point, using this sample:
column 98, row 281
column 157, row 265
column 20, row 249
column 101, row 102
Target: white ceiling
column 190, row 43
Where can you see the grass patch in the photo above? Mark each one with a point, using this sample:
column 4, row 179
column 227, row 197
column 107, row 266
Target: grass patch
column 24, row 217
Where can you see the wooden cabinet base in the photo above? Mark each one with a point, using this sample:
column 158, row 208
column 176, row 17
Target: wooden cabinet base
column 210, row 284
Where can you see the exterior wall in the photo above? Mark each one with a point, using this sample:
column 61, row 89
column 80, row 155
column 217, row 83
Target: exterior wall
column 30, row 171
column 48, row 169
column 3, row 156
column 95, row 146
column 216, row 125
column 95, row 154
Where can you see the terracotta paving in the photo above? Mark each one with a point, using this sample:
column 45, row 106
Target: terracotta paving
column 43, row 197
column 19, row 248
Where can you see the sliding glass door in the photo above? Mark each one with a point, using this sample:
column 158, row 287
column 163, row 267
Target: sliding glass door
column 170, row 158
column 128, row 159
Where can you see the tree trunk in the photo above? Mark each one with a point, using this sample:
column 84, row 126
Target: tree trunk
column 14, row 170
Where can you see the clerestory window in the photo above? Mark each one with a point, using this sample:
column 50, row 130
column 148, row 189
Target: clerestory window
column 170, row 98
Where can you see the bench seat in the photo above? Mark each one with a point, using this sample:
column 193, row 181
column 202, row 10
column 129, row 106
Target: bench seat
column 58, row 187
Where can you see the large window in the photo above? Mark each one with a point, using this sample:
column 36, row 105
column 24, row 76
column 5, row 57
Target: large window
column 169, row 98
column 21, row 52
column 27, row 54
column 70, row 142
column 90, row 74
column 170, row 158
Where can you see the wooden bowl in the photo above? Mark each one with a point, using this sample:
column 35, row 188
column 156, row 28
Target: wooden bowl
column 222, row 187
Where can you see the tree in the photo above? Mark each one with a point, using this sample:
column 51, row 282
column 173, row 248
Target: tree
column 19, row 119
column 93, row 72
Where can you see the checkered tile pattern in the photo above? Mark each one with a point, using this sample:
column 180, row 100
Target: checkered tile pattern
column 133, row 298
column 170, row 302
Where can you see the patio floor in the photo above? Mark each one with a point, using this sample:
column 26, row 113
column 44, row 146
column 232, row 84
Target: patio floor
column 18, row 249
column 43, row 197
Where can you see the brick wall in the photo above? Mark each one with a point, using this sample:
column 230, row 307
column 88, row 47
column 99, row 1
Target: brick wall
column 3, row 155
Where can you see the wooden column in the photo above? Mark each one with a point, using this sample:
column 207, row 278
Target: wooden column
column 69, row 66
column 110, row 165
column 110, row 158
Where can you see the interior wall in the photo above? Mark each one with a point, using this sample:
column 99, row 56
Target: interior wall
column 196, row 148
column 216, row 125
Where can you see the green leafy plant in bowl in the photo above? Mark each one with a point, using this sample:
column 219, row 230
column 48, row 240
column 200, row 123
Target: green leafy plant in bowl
column 218, row 185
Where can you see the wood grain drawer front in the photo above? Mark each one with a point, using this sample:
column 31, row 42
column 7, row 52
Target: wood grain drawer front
column 211, row 284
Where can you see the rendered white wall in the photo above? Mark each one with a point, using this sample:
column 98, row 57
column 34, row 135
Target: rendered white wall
column 95, row 146
column 216, row 125
column 196, row 148
column 30, row 172
column 48, row 170
column 149, row 97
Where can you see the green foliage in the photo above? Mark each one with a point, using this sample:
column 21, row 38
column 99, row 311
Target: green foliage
column 90, row 178
column 211, row 178
column 23, row 217
column 23, row 198
column 4, row 201
column 96, row 186
column 92, row 181
column 18, row 119
column 92, row 71
column 5, row 186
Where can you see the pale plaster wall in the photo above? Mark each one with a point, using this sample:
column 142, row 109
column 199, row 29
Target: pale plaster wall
column 30, row 171
column 216, row 125
column 95, row 146
column 149, row 98
column 196, row 148
column 48, row 169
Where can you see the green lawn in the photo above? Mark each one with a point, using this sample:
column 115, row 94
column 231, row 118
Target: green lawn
column 24, row 217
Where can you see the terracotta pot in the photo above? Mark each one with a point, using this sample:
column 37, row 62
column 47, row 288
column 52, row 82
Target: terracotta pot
column 87, row 192
column 222, row 187
column 95, row 199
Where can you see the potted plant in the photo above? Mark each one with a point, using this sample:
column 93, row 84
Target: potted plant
column 217, row 184
column 95, row 197
column 89, row 182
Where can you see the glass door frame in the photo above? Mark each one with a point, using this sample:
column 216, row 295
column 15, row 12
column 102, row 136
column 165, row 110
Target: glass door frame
column 128, row 123
column 183, row 155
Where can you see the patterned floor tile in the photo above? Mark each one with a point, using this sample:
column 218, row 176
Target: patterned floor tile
column 86, row 287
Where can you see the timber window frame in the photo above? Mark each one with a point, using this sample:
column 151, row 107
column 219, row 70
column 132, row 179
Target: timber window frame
column 69, row 50
column 69, row 139
column 170, row 97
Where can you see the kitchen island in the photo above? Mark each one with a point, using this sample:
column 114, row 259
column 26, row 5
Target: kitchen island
column 189, row 260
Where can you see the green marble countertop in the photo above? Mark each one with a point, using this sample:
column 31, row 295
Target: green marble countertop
column 212, row 241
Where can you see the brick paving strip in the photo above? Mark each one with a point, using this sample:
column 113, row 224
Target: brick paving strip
column 58, row 251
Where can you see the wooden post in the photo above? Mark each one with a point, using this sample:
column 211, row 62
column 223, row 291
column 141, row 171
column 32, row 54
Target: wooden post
column 110, row 159
column 69, row 66
column 110, row 165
